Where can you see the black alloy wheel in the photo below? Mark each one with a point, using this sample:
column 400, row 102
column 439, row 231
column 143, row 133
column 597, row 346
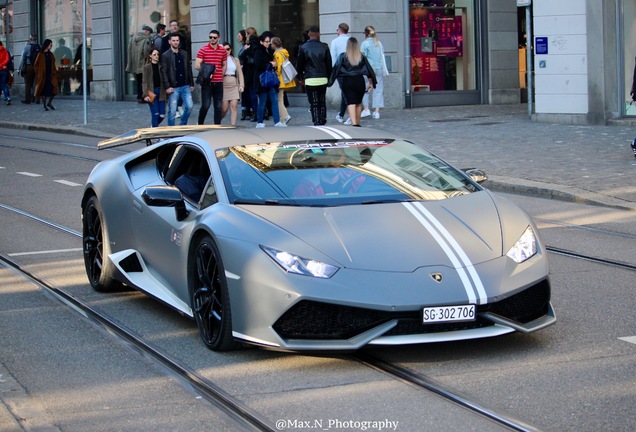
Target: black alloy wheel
column 97, row 268
column 210, row 298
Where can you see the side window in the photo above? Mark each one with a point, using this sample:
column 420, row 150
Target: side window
column 189, row 172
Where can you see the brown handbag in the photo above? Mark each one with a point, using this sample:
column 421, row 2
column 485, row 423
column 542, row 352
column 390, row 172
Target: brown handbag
column 151, row 96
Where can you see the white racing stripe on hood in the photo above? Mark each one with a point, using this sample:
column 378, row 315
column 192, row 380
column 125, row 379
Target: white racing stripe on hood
column 453, row 250
column 335, row 133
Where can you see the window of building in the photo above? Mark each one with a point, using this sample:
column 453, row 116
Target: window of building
column 442, row 45
column 151, row 13
column 62, row 23
column 6, row 28
column 287, row 19
column 629, row 53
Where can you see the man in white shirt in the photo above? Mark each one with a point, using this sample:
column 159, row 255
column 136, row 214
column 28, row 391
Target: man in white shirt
column 339, row 46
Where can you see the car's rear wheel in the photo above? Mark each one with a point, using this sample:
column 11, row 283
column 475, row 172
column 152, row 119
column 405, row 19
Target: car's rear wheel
column 98, row 267
column 210, row 297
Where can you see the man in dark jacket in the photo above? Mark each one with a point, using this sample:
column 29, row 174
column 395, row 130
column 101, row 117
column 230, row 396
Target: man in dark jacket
column 176, row 73
column 314, row 68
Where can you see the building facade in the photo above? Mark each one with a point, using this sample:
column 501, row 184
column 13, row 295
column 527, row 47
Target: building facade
column 438, row 52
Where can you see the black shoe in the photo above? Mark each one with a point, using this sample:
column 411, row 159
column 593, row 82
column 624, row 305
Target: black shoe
column 253, row 119
column 243, row 115
column 50, row 106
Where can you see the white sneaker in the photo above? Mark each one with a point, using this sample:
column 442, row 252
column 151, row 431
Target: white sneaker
column 260, row 125
column 348, row 122
column 287, row 118
column 376, row 115
column 339, row 118
column 177, row 114
column 280, row 124
column 365, row 113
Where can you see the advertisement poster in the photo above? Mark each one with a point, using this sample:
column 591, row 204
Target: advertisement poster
column 435, row 34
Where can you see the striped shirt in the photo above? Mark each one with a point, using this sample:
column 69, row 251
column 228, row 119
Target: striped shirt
column 216, row 57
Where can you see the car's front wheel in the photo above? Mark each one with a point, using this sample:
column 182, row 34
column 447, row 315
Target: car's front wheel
column 98, row 268
column 210, row 297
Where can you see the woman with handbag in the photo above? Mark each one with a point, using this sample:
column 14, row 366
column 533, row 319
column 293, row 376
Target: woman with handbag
column 265, row 65
column 154, row 89
column 233, row 85
column 353, row 67
column 281, row 56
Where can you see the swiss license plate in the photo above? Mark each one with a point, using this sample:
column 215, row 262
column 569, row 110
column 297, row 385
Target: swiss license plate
column 439, row 314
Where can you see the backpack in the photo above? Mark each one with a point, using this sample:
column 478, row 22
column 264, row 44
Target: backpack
column 35, row 49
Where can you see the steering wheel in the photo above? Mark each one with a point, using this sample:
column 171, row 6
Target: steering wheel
column 347, row 184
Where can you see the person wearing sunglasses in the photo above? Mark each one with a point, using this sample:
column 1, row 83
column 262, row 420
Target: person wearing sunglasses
column 212, row 90
column 233, row 85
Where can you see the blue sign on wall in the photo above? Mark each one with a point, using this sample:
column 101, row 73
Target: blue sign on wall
column 541, row 45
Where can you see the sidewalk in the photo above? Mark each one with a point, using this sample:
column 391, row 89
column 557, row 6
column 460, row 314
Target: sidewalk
column 587, row 164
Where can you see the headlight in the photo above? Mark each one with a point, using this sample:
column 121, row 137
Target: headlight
column 302, row 266
column 525, row 247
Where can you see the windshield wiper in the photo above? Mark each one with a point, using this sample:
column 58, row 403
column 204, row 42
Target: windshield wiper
column 266, row 202
column 388, row 200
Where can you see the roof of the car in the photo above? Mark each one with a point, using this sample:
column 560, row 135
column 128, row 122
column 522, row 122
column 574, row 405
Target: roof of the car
column 224, row 136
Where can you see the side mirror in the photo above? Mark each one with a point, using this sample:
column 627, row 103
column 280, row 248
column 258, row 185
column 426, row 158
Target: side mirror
column 477, row 175
column 166, row 196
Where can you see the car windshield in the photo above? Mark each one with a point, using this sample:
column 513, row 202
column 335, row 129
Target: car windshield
column 337, row 172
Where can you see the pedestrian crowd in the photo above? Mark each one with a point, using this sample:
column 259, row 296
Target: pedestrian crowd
column 254, row 79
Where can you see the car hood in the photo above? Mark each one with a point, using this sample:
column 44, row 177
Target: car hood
column 456, row 232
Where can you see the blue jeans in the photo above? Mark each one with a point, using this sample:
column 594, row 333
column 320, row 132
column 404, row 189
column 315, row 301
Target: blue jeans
column 185, row 95
column 4, row 76
column 272, row 95
column 157, row 109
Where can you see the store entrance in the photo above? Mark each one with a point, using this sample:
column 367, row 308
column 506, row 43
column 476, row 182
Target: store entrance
column 442, row 47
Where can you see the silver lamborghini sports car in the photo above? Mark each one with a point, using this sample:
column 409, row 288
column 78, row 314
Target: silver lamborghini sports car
column 312, row 238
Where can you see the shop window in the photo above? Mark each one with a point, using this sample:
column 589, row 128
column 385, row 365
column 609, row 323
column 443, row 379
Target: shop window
column 62, row 23
column 6, row 29
column 629, row 54
column 150, row 13
column 442, row 45
column 287, row 19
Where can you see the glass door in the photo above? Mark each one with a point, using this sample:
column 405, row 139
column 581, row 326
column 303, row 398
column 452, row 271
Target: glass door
column 443, row 55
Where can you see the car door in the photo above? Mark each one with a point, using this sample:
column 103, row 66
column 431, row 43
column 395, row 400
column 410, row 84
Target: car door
column 158, row 232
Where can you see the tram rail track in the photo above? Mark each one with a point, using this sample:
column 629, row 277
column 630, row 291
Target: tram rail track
column 237, row 411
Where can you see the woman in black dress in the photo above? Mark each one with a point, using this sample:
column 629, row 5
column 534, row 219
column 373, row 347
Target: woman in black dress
column 353, row 67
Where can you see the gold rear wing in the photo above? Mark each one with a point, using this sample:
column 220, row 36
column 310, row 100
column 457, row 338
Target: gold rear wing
column 157, row 133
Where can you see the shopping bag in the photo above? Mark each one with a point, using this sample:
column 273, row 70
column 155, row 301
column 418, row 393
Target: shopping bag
column 289, row 72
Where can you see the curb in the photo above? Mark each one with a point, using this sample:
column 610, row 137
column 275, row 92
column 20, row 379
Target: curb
column 556, row 192
column 69, row 130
